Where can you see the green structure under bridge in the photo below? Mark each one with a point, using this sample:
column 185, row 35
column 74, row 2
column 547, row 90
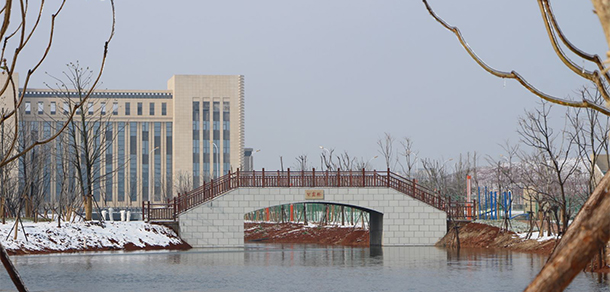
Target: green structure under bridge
column 305, row 213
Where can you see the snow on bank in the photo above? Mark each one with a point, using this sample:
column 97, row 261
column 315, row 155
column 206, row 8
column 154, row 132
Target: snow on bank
column 536, row 235
column 78, row 236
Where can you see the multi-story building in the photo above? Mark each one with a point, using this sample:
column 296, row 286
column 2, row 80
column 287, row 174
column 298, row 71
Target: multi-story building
column 157, row 139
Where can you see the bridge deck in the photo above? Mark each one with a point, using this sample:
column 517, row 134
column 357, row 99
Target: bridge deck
column 313, row 179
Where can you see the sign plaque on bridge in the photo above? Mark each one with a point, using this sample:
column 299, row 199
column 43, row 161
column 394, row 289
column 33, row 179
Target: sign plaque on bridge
column 314, row 194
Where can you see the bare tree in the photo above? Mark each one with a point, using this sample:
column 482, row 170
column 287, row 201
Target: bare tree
column 301, row 163
column 89, row 135
column 590, row 131
column 326, row 157
column 386, row 149
column 589, row 232
column 16, row 36
column 554, row 152
column 183, row 182
column 410, row 156
column 436, row 176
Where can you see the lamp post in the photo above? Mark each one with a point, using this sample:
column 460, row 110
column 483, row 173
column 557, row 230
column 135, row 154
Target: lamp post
column 366, row 165
column 151, row 185
column 218, row 159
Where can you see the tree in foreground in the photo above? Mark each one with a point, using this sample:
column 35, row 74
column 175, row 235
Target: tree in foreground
column 590, row 230
column 16, row 35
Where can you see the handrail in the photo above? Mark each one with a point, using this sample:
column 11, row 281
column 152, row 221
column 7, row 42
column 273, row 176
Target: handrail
column 314, row 179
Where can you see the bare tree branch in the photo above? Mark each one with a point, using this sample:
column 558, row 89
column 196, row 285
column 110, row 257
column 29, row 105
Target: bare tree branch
column 513, row 74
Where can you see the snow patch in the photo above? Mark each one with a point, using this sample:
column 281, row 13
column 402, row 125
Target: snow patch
column 45, row 236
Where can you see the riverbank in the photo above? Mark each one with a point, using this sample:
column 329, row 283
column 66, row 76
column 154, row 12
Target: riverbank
column 301, row 233
column 479, row 235
column 46, row 237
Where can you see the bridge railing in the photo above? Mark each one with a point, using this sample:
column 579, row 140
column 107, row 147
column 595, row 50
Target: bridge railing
column 311, row 179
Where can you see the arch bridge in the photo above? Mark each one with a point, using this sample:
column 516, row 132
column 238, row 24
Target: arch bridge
column 401, row 211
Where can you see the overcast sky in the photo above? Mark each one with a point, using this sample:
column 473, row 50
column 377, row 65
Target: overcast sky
column 338, row 73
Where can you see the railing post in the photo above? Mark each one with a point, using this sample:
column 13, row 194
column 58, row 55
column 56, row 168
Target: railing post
column 313, row 177
column 263, row 178
column 143, row 211
column 289, row 183
column 148, row 211
column 374, row 184
column 474, row 208
column 351, row 184
column 388, row 178
column 238, row 180
column 175, row 209
column 414, row 186
column 363, row 178
column 338, row 177
column 302, row 178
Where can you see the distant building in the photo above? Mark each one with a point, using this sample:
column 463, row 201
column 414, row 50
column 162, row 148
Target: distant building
column 192, row 131
column 248, row 159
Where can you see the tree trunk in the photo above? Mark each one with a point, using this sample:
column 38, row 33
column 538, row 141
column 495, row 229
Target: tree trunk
column 602, row 9
column 12, row 272
column 586, row 236
column 88, row 208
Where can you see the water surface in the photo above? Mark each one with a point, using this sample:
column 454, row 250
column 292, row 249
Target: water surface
column 277, row 267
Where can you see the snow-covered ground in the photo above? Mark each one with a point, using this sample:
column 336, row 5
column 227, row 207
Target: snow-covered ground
column 46, row 236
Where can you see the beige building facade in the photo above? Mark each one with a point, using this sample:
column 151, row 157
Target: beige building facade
column 156, row 142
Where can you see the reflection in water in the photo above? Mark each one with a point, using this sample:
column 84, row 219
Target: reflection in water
column 290, row 267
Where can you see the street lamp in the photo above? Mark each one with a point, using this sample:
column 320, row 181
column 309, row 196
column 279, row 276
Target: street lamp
column 367, row 163
column 150, row 181
column 218, row 160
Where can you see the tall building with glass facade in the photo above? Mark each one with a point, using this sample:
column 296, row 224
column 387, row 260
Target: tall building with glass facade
column 157, row 139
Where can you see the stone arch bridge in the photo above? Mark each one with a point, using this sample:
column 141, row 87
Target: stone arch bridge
column 401, row 211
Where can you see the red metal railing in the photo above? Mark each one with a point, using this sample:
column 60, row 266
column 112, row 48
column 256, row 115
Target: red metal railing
column 310, row 179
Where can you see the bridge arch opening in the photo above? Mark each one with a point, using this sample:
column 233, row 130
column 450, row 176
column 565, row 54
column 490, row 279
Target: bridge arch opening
column 354, row 219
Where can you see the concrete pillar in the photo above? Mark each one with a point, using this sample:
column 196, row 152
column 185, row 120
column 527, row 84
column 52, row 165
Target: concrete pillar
column 376, row 228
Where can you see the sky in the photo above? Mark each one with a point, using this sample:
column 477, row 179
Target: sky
column 337, row 74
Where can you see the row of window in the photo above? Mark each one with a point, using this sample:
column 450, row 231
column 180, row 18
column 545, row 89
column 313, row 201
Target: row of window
column 150, row 160
column 102, row 108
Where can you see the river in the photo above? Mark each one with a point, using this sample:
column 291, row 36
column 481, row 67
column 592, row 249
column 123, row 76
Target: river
column 275, row 267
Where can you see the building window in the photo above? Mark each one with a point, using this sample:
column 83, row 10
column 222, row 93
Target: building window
column 164, row 109
column 103, row 108
column 139, row 108
column 205, row 116
column 121, row 162
column 168, row 159
column 226, row 136
column 109, row 159
column 152, row 109
column 157, row 162
column 133, row 162
column 66, row 108
column 127, row 109
column 40, row 108
column 28, row 108
column 216, row 138
column 90, row 108
column 196, row 168
column 115, row 108
column 145, row 161
column 53, row 107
